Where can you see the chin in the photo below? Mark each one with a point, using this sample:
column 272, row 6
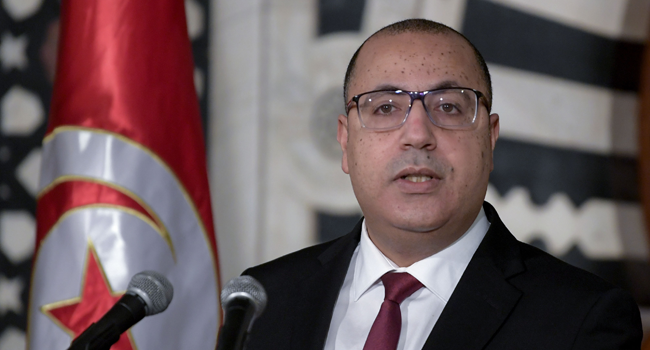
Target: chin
column 418, row 228
column 414, row 216
column 420, row 225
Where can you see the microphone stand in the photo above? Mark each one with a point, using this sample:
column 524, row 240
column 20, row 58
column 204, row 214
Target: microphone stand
column 234, row 330
column 106, row 332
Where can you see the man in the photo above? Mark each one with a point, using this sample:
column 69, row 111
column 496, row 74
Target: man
column 417, row 143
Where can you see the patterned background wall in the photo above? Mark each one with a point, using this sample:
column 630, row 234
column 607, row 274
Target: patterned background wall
column 565, row 76
column 559, row 159
column 28, row 41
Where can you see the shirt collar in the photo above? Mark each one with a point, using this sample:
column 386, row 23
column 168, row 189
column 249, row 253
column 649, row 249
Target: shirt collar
column 439, row 273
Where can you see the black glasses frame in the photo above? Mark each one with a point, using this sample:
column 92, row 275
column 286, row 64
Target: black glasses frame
column 415, row 95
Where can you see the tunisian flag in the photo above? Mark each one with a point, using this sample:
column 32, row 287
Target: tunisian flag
column 124, row 183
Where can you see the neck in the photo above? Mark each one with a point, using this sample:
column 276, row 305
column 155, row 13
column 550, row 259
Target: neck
column 406, row 247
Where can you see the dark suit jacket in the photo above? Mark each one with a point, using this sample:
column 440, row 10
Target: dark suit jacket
column 511, row 296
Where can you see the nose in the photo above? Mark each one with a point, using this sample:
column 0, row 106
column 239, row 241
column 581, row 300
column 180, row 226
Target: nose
column 418, row 130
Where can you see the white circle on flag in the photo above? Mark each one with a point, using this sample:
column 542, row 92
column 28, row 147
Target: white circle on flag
column 125, row 243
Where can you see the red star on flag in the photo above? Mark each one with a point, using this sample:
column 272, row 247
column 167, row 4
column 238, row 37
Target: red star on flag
column 97, row 297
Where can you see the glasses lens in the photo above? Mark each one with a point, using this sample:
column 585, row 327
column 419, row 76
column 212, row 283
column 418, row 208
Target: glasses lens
column 383, row 109
column 455, row 108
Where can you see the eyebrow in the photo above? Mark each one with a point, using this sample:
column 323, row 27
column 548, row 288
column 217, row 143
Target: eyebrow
column 441, row 85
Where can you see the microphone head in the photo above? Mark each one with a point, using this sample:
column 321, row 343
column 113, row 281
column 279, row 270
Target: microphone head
column 245, row 287
column 155, row 290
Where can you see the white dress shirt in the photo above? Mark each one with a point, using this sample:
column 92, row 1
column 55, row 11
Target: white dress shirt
column 362, row 292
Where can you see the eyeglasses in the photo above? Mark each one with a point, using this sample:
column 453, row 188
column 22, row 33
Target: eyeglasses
column 449, row 108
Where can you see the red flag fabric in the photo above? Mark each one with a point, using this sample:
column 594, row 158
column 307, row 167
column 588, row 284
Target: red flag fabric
column 124, row 183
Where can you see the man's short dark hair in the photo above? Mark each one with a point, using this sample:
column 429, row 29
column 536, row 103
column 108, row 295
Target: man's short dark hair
column 418, row 25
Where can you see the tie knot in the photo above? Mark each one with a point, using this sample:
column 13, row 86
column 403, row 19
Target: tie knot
column 399, row 286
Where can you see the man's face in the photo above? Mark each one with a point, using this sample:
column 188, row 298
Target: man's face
column 419, row 177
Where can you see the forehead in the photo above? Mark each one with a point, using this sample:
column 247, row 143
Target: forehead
column 415, row 62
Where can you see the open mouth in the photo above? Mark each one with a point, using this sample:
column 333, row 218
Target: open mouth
column 416, row 178
column 417, row 175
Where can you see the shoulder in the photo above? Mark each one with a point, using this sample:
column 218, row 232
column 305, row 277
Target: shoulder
column 525, row 265
column 541, row 265
column 302, row 288
column 594, row 313
column 577, row 306
column 290, row 266
column 303, row 263
column 566, row 287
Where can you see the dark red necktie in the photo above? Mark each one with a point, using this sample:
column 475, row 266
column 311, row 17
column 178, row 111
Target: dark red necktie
column 384, row 333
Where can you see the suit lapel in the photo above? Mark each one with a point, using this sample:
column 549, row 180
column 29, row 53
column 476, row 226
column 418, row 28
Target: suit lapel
column 479, row 305
column 319, row 291
column 483, row 297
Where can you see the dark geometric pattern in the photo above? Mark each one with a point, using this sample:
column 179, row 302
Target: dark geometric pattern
column 519, row 40
column 545, row 170
column 523, row 41
column 339, row 16
column 35, row 78
column 200, row 49
column 14, row 195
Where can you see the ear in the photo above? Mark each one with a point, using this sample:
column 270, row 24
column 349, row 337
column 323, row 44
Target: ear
column 494, row 133
column 494, row 129
column 342, row 137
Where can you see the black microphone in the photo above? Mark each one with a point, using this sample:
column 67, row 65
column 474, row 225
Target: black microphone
column 243, row 299
column 148, row 293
